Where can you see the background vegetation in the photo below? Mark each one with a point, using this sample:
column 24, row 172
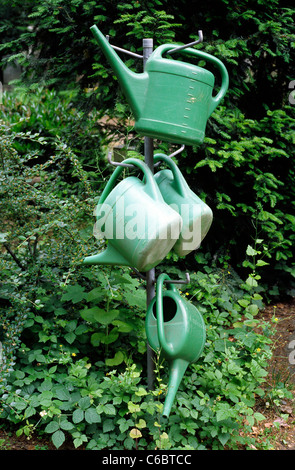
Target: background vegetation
column 73, row 341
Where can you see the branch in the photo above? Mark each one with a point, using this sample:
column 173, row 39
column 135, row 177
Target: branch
column 14, row 256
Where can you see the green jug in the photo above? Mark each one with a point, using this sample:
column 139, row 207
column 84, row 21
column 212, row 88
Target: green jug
column 196, row 214
column 140, row 227
column 176, row 327
column 171, row 100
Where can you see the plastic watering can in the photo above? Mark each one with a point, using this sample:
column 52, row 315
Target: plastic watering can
column 176, row 327
column 196, row 215
column 171, row 100
column 140, row 227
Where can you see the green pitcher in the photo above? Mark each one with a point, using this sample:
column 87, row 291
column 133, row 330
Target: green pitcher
column 176, row 327
column 140, row 227
column 196, row 215
column 171, row 100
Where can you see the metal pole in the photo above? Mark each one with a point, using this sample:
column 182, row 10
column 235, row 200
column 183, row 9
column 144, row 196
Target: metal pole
column 147, row 45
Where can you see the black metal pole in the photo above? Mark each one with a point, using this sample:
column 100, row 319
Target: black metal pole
column 150, row 275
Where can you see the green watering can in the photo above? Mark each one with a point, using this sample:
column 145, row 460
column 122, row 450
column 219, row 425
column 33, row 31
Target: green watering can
column 170, row 100
column 176, row 327
column 140, row 227
column 196, row 215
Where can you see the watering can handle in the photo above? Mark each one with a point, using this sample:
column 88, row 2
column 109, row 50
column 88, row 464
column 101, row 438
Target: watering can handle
column 203, row 55
column 179, row 181
column 159, row 308
column 150, row 184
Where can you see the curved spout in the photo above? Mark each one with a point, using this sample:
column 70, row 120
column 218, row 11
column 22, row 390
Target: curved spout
column 133, row 84
column 177, row 370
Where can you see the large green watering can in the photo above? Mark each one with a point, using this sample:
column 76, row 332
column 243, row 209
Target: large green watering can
column 196, row 214
column 177, row 328
column 140, row 227
column 170, row 100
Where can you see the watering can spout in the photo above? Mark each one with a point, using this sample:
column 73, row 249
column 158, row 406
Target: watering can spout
column 177, row 370
column 133, row 84
column 109, row 256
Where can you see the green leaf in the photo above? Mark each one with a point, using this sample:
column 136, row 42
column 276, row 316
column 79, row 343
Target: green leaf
column 70, row 337
column 133, row 407
column 259, row 416
column 30, row 411
column 78, row 416
column 91, row 416
column 96, row 338
column 260, row 262
column 224, row 437
column 141, row 392
column 244, row 302
column 66, row 425
column 116, row 360
column 52, row 427
column 96, row 314
column 62, row 393
column 250, row 251
column 108, row 425
column 58, row 438
column 135, row 433
column 109, row 409
column 84, row 403
column 75, row 294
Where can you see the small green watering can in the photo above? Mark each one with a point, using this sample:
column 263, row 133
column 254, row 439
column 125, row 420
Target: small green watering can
column 196, row 214
column 177, row 328
column 170, row 100
column 140, row 227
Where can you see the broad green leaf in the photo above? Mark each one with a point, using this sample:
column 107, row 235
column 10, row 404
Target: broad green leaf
column 251, row 251
column 116, row 360
column 78, row 416
column 260, row 262
column 96, row 314
column 141, row 392
column 75, row 294
column 91, row 416
column 52, row 427
column 58, row 438
column 133, row 407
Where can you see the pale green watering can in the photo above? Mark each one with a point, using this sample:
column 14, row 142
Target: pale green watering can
column 196, row 214
column 171, row 100
column 140, row 227
column 176, row 327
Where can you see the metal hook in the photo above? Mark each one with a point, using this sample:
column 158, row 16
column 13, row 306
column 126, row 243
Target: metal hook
column 179, row 281
column 126, row 165
column 171, row 155
column 129, row 165
column 167, row 281
column 133, row 54
column 194, row 43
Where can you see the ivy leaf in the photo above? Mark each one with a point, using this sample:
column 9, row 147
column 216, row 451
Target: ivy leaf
column 135, row 433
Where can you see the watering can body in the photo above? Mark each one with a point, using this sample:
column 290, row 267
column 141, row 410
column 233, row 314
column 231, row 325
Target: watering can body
column 176, row 327
column 139, row 226
column 196, row 214
column 170, row 100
